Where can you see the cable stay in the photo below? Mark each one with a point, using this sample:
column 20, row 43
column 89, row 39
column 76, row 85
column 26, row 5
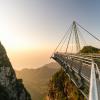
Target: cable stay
column 88, row 32
column 64, row 37
column 74, row 39
column 64, row 42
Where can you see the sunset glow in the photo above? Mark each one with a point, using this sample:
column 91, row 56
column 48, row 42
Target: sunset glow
column 31, row 29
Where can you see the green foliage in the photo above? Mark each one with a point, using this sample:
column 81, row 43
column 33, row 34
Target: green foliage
column 62, row 88
column 89, row 49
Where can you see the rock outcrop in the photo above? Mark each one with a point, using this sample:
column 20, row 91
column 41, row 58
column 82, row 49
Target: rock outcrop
column 11, row 88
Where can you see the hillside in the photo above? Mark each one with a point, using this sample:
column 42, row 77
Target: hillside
column 89, row 49
column 36, row 80
column 61, row 88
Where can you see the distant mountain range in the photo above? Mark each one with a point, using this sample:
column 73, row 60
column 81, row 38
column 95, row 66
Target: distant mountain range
column 36, row 80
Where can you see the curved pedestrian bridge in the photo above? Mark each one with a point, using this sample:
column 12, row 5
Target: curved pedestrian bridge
column 83, row 68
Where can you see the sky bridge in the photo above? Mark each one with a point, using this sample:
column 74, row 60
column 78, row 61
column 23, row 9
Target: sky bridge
column 83, row 68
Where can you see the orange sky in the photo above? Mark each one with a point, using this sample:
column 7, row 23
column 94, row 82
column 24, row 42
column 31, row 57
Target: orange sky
column 30, row 58
column 31, row 29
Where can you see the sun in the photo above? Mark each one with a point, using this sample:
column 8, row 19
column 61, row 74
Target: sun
column 19, row 42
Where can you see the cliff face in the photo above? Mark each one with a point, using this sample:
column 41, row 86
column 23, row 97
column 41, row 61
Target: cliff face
column 11, row 88
column 62, row 88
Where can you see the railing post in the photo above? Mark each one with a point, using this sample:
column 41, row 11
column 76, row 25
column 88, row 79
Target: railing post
column 93, row 94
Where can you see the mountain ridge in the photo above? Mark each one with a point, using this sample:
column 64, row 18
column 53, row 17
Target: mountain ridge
column 36, row 80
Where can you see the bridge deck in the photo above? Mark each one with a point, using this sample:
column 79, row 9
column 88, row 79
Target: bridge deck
column 83, row 68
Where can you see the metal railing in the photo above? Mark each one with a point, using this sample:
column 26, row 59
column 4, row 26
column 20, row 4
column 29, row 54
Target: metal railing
column 93, row 93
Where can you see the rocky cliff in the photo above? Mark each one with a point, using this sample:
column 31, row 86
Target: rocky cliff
column 11, row 88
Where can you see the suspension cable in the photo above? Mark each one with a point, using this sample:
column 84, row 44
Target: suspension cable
column 61, row 40
column 69, row 41
column 64, row 42
column 88, row 32
column 82, row 37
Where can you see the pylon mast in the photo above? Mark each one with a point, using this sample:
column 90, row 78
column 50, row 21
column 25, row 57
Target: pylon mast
column 76, row 36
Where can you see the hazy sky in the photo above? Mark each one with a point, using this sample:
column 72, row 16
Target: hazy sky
column 30, row 29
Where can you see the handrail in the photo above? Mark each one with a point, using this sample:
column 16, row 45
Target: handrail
column 93, row 94
column 80, row 57
column 83, row 59
column 98, row 71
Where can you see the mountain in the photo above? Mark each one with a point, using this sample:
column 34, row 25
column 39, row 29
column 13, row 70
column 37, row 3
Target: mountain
column 62, row 88
column 11, row 88
column 36, row 80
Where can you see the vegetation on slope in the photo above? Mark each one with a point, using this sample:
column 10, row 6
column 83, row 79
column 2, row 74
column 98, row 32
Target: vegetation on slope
column 90, row 49
column 62, row 88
